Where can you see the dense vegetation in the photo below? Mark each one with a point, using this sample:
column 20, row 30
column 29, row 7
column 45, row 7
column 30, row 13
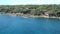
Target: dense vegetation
column 31, row 9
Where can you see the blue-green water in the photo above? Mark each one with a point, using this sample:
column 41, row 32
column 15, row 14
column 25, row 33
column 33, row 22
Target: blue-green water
column 20, row 25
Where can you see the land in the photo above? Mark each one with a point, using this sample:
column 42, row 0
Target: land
column 35, row 11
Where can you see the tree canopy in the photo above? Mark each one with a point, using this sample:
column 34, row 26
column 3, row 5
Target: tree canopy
column 33, row 9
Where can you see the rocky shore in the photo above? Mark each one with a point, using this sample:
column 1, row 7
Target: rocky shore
column 28, row 15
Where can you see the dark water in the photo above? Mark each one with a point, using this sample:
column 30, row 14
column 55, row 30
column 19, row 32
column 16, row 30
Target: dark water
column 20, row 25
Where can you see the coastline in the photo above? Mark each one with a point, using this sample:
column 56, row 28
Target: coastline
column 28, row 15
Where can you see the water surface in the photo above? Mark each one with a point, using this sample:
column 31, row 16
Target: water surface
column 20, row 25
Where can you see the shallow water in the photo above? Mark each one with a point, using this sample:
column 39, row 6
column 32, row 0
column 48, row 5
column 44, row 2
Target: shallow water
column 20, row 25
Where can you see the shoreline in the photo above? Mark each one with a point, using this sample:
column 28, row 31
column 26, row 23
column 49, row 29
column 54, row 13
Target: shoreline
column 28, row 15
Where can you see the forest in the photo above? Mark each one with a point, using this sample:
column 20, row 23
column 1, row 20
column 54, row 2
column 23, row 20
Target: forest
column 52, row 10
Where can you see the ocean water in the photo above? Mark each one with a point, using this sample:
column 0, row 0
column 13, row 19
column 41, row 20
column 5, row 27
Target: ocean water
column 21, row 25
